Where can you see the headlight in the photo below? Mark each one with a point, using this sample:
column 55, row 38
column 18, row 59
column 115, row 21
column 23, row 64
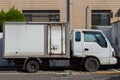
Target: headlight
column 113, row 53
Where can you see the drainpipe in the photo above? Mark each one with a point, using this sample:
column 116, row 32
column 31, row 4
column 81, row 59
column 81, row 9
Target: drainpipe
column 87, row 18
column 69, row 12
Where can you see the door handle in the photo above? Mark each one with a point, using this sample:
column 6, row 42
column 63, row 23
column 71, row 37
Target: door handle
column 86, row 49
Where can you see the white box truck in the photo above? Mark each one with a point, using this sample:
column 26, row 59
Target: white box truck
column 35, row 44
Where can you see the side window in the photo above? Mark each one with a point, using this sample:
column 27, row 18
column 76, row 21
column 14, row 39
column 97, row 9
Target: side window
column 89, row 37
column 95, row 37
column 77, row 36
column 101, row 40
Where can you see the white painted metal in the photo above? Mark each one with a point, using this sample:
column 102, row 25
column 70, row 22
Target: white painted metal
column 55, row 36
column 24, row 40
column 95, row 50
column 103, row 54
column 77, row 47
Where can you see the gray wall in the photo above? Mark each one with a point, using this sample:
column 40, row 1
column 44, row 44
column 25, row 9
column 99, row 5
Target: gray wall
column 115, row 30
column 107, row 31
column 113, row 34
column 110, row 32
column 2, row 62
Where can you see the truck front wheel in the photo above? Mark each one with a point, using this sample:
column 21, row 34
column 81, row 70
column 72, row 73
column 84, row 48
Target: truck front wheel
column 91, row 64
column 32, row 66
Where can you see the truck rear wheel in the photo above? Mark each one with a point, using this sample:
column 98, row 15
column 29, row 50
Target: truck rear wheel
column 91, row 64
column 32, row 66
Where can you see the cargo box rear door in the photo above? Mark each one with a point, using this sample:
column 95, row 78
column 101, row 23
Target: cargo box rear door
column 56, row 40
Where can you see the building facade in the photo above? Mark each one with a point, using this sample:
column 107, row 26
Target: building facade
column 80, row 14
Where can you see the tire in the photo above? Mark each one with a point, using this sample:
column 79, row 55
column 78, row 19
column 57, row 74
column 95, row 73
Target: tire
column 32, row 66
column 91, row 64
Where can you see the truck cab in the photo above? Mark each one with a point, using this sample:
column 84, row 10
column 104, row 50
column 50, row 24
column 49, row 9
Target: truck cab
column 93, row 47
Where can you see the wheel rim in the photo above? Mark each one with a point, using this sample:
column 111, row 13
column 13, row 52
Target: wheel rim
column 32, row 67
column 92, row 65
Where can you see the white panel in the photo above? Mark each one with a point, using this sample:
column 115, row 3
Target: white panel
column 64, row 40
column 56, row 40
column 24, row 39
column 57, row 47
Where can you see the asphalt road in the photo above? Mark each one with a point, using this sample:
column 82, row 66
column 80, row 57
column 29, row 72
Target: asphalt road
column 11, row 74
column 57, row 76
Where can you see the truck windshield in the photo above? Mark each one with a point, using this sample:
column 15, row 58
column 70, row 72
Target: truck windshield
column 95, row 37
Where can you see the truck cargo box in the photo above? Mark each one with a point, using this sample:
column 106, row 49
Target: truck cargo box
column 36, row 39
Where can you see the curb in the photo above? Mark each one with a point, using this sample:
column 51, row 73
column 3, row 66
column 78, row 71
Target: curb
column 109, row 72
column 114, row 71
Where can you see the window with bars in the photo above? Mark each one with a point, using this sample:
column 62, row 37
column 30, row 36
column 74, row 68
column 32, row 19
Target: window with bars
column 101, row 17
column 42, row 15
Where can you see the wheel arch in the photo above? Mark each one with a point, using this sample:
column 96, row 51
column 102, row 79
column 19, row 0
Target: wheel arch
column 91, row 57
column 31, row 58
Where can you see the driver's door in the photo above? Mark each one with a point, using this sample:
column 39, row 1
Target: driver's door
column 95, row 44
